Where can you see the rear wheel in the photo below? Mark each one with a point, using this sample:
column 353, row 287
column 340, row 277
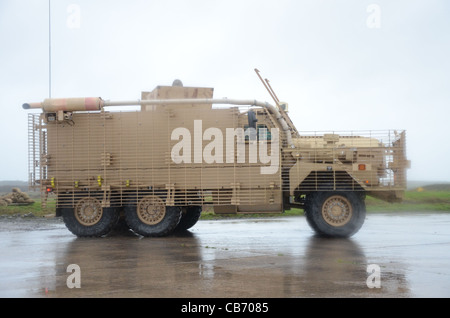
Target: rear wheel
column 335, row 214
column 151, row 217
column 89, row 219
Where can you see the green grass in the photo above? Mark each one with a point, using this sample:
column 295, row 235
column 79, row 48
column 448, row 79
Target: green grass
column 34, row 208
column 415, row 201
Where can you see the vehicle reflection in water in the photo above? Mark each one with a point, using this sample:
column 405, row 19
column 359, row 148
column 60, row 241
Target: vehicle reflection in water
column 338, row 268
column 191, row 265
column 129, row 266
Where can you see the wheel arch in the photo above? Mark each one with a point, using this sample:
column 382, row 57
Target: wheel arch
column 327, row 181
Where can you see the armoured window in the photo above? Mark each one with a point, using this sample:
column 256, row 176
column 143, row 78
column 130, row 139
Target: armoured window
column 262, row 133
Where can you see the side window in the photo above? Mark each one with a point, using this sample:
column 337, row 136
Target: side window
column 262, row 132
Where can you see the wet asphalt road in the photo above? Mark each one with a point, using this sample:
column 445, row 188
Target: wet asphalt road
column 261, row 258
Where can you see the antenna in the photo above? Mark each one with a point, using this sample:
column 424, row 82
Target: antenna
column 49, row 51
column 281, row 106
column 275, row 99
column 271, row 89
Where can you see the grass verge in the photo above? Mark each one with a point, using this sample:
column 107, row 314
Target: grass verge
column 415, row 201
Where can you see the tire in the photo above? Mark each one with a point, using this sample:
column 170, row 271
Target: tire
column 150, row 217
column 189, row 217
column 335, row 214
column 121, row 228
column 89, row 219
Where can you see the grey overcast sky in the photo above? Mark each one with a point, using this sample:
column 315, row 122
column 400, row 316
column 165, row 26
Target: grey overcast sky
column 341, row 65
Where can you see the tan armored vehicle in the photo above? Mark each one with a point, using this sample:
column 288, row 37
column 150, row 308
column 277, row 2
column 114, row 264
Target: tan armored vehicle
column 157, row 166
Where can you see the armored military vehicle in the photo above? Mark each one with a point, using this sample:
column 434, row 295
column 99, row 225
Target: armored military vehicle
column 180, row 149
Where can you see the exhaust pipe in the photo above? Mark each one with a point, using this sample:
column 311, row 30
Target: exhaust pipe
column 96, row 103
column 67, row 104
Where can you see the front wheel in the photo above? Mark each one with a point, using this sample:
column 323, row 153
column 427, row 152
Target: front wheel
column 335, row 214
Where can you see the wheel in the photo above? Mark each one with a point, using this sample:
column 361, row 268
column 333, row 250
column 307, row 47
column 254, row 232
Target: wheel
column 89, row 219
column 151, row 217
column 335, row 214
column 189, row 217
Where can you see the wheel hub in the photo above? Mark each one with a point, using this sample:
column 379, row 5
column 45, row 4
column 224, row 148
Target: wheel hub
column 88, row 211
column 151, row 210
column 337, row 210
